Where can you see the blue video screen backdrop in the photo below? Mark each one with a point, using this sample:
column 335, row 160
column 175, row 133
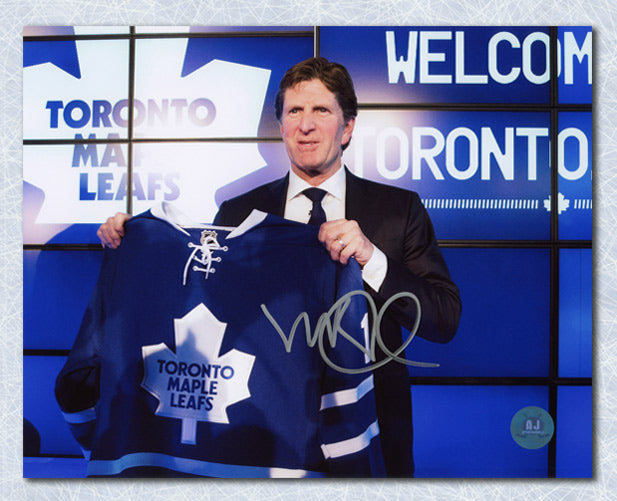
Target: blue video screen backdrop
column 481, row 175
column 512, row 297
column 443, row 65
column 464, row 431
column 575, row 175
column 491, row 126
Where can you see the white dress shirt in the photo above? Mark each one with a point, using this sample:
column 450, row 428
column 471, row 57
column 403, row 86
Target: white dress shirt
column 298, row 208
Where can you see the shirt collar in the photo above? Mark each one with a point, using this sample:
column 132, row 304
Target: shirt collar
column 334, row 185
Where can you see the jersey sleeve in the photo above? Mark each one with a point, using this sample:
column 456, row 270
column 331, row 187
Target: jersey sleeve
column 349, row 432
column 77, row 385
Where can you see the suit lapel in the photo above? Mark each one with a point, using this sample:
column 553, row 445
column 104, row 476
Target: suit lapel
column 361, row 205
column 275, row 201
column 355, row 199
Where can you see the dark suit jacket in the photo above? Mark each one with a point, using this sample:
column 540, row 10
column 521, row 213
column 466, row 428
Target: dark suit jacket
column 397, row 223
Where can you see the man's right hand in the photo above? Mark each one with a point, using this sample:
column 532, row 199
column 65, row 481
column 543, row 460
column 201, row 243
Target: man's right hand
column 112, row 231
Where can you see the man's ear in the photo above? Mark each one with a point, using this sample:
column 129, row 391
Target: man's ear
column 347, row 132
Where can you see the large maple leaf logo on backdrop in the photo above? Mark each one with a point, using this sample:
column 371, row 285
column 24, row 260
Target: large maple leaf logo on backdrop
column 217, row 99
column 195, row 383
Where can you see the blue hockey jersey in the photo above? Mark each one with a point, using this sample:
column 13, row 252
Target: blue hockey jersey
column 209, row 351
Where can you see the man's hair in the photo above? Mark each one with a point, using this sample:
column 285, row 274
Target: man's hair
column 334, row 76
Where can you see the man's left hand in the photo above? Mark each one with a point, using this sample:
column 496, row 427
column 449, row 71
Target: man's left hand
column 344, row 239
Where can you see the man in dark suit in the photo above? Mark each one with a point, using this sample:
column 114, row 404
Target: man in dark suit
column 385, row 229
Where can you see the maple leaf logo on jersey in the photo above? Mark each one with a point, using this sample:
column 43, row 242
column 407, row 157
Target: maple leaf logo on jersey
column 195, row 383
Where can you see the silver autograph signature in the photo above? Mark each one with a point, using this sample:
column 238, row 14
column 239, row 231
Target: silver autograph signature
column 330, row 322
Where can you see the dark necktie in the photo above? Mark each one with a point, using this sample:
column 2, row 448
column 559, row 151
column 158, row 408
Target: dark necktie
column 318, row 215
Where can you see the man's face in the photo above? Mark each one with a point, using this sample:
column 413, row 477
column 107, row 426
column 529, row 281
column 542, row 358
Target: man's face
column 313, row 130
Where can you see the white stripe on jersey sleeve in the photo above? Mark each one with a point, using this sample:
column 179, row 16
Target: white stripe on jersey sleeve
column 192, row 466
column 346, row 397
column 351, row 445
column 80, row 417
